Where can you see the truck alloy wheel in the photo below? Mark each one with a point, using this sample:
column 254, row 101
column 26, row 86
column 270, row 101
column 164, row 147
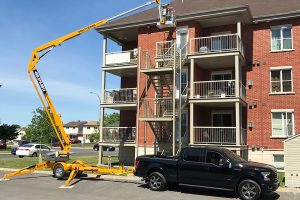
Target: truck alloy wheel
column 249, row 190
column 156, row 181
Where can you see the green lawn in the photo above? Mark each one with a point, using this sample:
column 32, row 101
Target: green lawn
column 8, row 149
column 281, row 178
column 17, row 163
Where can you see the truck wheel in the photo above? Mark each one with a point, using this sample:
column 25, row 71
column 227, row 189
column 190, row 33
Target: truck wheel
column 156, row 181
column 34, row 154
column 249, row 190
column 59, row 171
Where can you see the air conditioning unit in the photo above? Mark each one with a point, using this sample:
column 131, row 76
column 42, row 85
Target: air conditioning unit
column 250, row 83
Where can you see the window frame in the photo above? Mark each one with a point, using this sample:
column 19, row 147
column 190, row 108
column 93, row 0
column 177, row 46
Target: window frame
column 281, row 27
column 272, row 69
column 274, row 155
column 284, row 134
column 204, row 153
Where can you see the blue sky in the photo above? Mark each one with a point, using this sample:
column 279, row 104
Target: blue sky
column 69, row 72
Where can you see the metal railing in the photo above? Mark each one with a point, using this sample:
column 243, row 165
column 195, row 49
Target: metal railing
column 214, row 89
column 118, row 96
column 156, row 107
column 119, row 134
column 243, row 136
column 216, row 44
column 122, row 58
column 215, row 135
column 243, row 91
column 164, row 49
column 148, row 59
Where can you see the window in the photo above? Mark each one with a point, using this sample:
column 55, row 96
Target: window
column 278, row 161
column 67, row 127
column 194, row 155
column 281, row 80
column 281, row 38
column 213, row 157
column 88, row 128
column 282, row 124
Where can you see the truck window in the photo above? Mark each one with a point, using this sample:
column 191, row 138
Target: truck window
column 213, row 157
column 194, row 155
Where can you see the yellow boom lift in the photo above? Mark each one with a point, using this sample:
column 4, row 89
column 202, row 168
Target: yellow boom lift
column 57, row 161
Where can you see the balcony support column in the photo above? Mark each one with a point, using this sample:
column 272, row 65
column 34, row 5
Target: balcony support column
column 238, row 123
column 192, row 70
column 103, row 80
column 191, row 123
column 239, row 26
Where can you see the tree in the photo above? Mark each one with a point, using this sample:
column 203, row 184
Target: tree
column 40, row 128
column 9, row 132
column 112, row 119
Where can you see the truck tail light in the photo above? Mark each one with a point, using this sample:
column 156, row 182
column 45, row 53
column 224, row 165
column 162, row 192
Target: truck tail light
column 26, row 149
column 136, row 164
column 17, row 149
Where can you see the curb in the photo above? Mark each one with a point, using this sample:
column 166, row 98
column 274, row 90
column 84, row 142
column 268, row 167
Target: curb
column 4, row 153
column 288, row 190
column 130, row 178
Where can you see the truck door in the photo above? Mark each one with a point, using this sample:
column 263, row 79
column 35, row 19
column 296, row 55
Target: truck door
column 192, row 167
column 218, row 176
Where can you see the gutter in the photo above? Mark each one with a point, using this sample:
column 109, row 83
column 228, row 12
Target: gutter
column 202, row 14
column 280, row 16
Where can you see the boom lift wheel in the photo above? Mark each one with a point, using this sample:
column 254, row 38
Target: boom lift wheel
column 59, row 171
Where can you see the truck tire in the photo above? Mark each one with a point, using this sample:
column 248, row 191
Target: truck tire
column 156, row 181
column 59, row 171
column 249, row 190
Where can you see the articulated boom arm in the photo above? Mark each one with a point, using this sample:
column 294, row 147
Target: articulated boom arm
column 45, row 98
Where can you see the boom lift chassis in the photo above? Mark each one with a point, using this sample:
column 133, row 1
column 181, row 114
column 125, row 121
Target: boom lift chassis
column 57, row 161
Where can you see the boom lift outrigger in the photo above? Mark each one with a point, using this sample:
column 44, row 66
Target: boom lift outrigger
column 57, row 161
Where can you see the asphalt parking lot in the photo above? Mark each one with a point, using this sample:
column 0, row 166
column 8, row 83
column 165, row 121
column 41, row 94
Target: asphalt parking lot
column 44, row 186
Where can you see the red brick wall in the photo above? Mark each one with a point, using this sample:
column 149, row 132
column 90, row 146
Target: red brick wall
column 257, row 43
column 128, row 118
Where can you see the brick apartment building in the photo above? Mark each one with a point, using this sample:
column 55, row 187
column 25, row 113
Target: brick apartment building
column 225, row 76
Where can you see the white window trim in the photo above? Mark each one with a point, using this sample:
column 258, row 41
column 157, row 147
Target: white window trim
column 281, row 111
column 280, row 27
column 280, row 69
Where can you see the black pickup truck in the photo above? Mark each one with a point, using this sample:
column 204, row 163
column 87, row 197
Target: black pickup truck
column 208, row 167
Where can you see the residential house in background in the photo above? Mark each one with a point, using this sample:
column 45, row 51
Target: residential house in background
column 75, row 129
column 88, row 129
column 225, row 76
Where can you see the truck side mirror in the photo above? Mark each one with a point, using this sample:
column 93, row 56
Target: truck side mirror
column 222, row 162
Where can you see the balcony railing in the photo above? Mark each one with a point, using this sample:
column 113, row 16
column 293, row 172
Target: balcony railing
column 217, row 89
column 121, row 58
column 159, row 107
column 120, row 96
column 119, row 134
column 216, row 44
column 215, row 135
column 243, row 136
column 165, row 49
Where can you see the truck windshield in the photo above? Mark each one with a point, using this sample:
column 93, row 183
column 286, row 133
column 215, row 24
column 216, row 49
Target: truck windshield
column 235, row 158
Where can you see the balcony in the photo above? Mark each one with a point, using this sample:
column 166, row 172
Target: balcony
column 118, row 62
column 217, row 89
column 218, row 135
column 119, row 134
column 125, row 97
column 216, row 45
column 159, row 109
column 160, row 60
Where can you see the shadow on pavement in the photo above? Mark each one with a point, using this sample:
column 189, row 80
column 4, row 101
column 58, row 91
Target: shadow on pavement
column 212, row 193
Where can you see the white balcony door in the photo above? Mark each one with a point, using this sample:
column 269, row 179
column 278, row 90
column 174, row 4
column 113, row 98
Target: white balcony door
column 222, row 119
column 182, row 39
column 221, row 75
column 217, row 43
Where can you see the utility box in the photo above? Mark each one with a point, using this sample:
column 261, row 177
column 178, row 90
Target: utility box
column 292, row 161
